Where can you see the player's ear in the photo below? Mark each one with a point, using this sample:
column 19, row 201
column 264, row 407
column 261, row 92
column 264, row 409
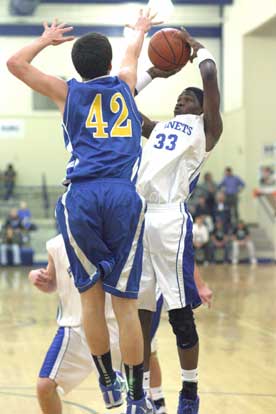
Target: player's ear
column 110, row 66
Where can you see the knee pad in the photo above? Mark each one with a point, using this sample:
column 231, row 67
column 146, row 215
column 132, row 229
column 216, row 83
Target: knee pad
column 183, row 325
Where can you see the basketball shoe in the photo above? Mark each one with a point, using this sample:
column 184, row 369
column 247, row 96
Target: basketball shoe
column 113, row 394
column 187, row 406
column 142, row 406
column 160, row 406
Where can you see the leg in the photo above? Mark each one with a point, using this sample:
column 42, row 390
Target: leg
column 145, row 317
column 156, row 384
column 94, row 323
column 182, row 322
column 97, row 335
column 251, row 251
column 235, row 252
column 132, row 351
column 16, row 254
column 4, row 258
column 48, row 397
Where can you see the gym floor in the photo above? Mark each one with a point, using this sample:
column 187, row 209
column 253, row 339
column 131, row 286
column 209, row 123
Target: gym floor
column 237, row 345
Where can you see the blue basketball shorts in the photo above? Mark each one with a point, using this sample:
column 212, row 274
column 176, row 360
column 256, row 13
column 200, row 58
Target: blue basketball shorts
column 102, row 223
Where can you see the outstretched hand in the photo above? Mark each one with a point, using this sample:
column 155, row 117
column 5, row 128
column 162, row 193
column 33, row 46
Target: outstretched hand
column 195, row 45
column 55, row 33
column 145, row 21
column 155, row 72
column 205, row 294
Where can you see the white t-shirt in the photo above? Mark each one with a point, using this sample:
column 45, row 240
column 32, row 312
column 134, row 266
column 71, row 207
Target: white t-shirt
column 69, row 311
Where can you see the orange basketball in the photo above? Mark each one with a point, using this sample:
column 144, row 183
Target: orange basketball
column 168, row 50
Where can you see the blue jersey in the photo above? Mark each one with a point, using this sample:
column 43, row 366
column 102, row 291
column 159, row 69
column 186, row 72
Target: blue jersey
column 102, row 130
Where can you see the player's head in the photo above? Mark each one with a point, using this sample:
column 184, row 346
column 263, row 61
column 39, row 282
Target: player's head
column 228, row 171
column 190, row 101
column 92, row 55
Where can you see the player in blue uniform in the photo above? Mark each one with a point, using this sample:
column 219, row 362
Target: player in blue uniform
column 101, row 215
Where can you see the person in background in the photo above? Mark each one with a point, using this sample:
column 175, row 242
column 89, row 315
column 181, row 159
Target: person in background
column 201, row 239
column 209, row 187
column 202, row 209
column 241, row 238
column 13, row 220
column 231, row 185
column 219, row 241
column 9, row 181
column 11, row 241
column 24, row 214
column 222, row 212
column 69, row 347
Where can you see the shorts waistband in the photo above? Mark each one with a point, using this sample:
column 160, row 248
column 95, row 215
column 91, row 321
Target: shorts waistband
column 110, row 180
column 180, row 207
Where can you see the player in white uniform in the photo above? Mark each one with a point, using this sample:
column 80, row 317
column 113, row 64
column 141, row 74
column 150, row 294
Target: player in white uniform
column 170, row 167
column 68, row 361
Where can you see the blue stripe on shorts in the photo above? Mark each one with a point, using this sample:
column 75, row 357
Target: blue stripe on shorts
column 191, row 293
column 52, row 354
column 156, row 317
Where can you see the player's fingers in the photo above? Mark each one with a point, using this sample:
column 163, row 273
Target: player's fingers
column 147, row 14
column 153, row 16
column 157, row 23
column 45, row 25
column 67, row 29
column 130, row 26
column 69, row 38
column 55, row 22
column 141, row 12
column 61, row 25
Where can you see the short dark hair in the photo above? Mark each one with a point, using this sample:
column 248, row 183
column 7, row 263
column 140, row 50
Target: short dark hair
column 197, row 92
column 91, row 55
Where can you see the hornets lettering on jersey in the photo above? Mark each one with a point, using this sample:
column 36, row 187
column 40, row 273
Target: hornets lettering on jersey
column 179, row 126
column 102, row 131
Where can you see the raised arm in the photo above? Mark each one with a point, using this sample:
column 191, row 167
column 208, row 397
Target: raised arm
column 20, row 64
column 147, row 126
column 128, row 69
column 44, row 279
column 211, row 100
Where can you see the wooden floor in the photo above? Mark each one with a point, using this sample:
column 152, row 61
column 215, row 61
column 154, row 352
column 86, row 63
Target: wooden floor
column 237, row 345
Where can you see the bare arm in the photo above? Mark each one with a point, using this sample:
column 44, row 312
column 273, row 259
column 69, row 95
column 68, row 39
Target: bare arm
column 204, row 292
column 20, row 64
column 147, row 126
column 44, row 279
column 211, row 101
column 128, row 70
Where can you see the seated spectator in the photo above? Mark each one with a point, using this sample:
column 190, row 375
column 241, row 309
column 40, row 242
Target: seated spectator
column 219, row 243
column 24, row 214
column 222, row 212
column 201, row 209
column 9, row 181
column 13, row 220
column 201, row 240
column 241, row 238
column 209, row 187
column 11, row 241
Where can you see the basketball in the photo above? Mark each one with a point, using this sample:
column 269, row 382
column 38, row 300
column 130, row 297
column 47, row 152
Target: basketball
column 168, row 50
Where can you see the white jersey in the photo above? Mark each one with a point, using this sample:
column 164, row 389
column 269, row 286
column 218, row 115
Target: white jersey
column 69, row 311
column 172, row 159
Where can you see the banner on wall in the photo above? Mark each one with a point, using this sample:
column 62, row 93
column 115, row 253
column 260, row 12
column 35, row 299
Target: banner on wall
column 12, row 128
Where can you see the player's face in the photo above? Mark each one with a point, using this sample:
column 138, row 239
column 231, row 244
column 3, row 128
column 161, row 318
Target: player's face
column 187, row 103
